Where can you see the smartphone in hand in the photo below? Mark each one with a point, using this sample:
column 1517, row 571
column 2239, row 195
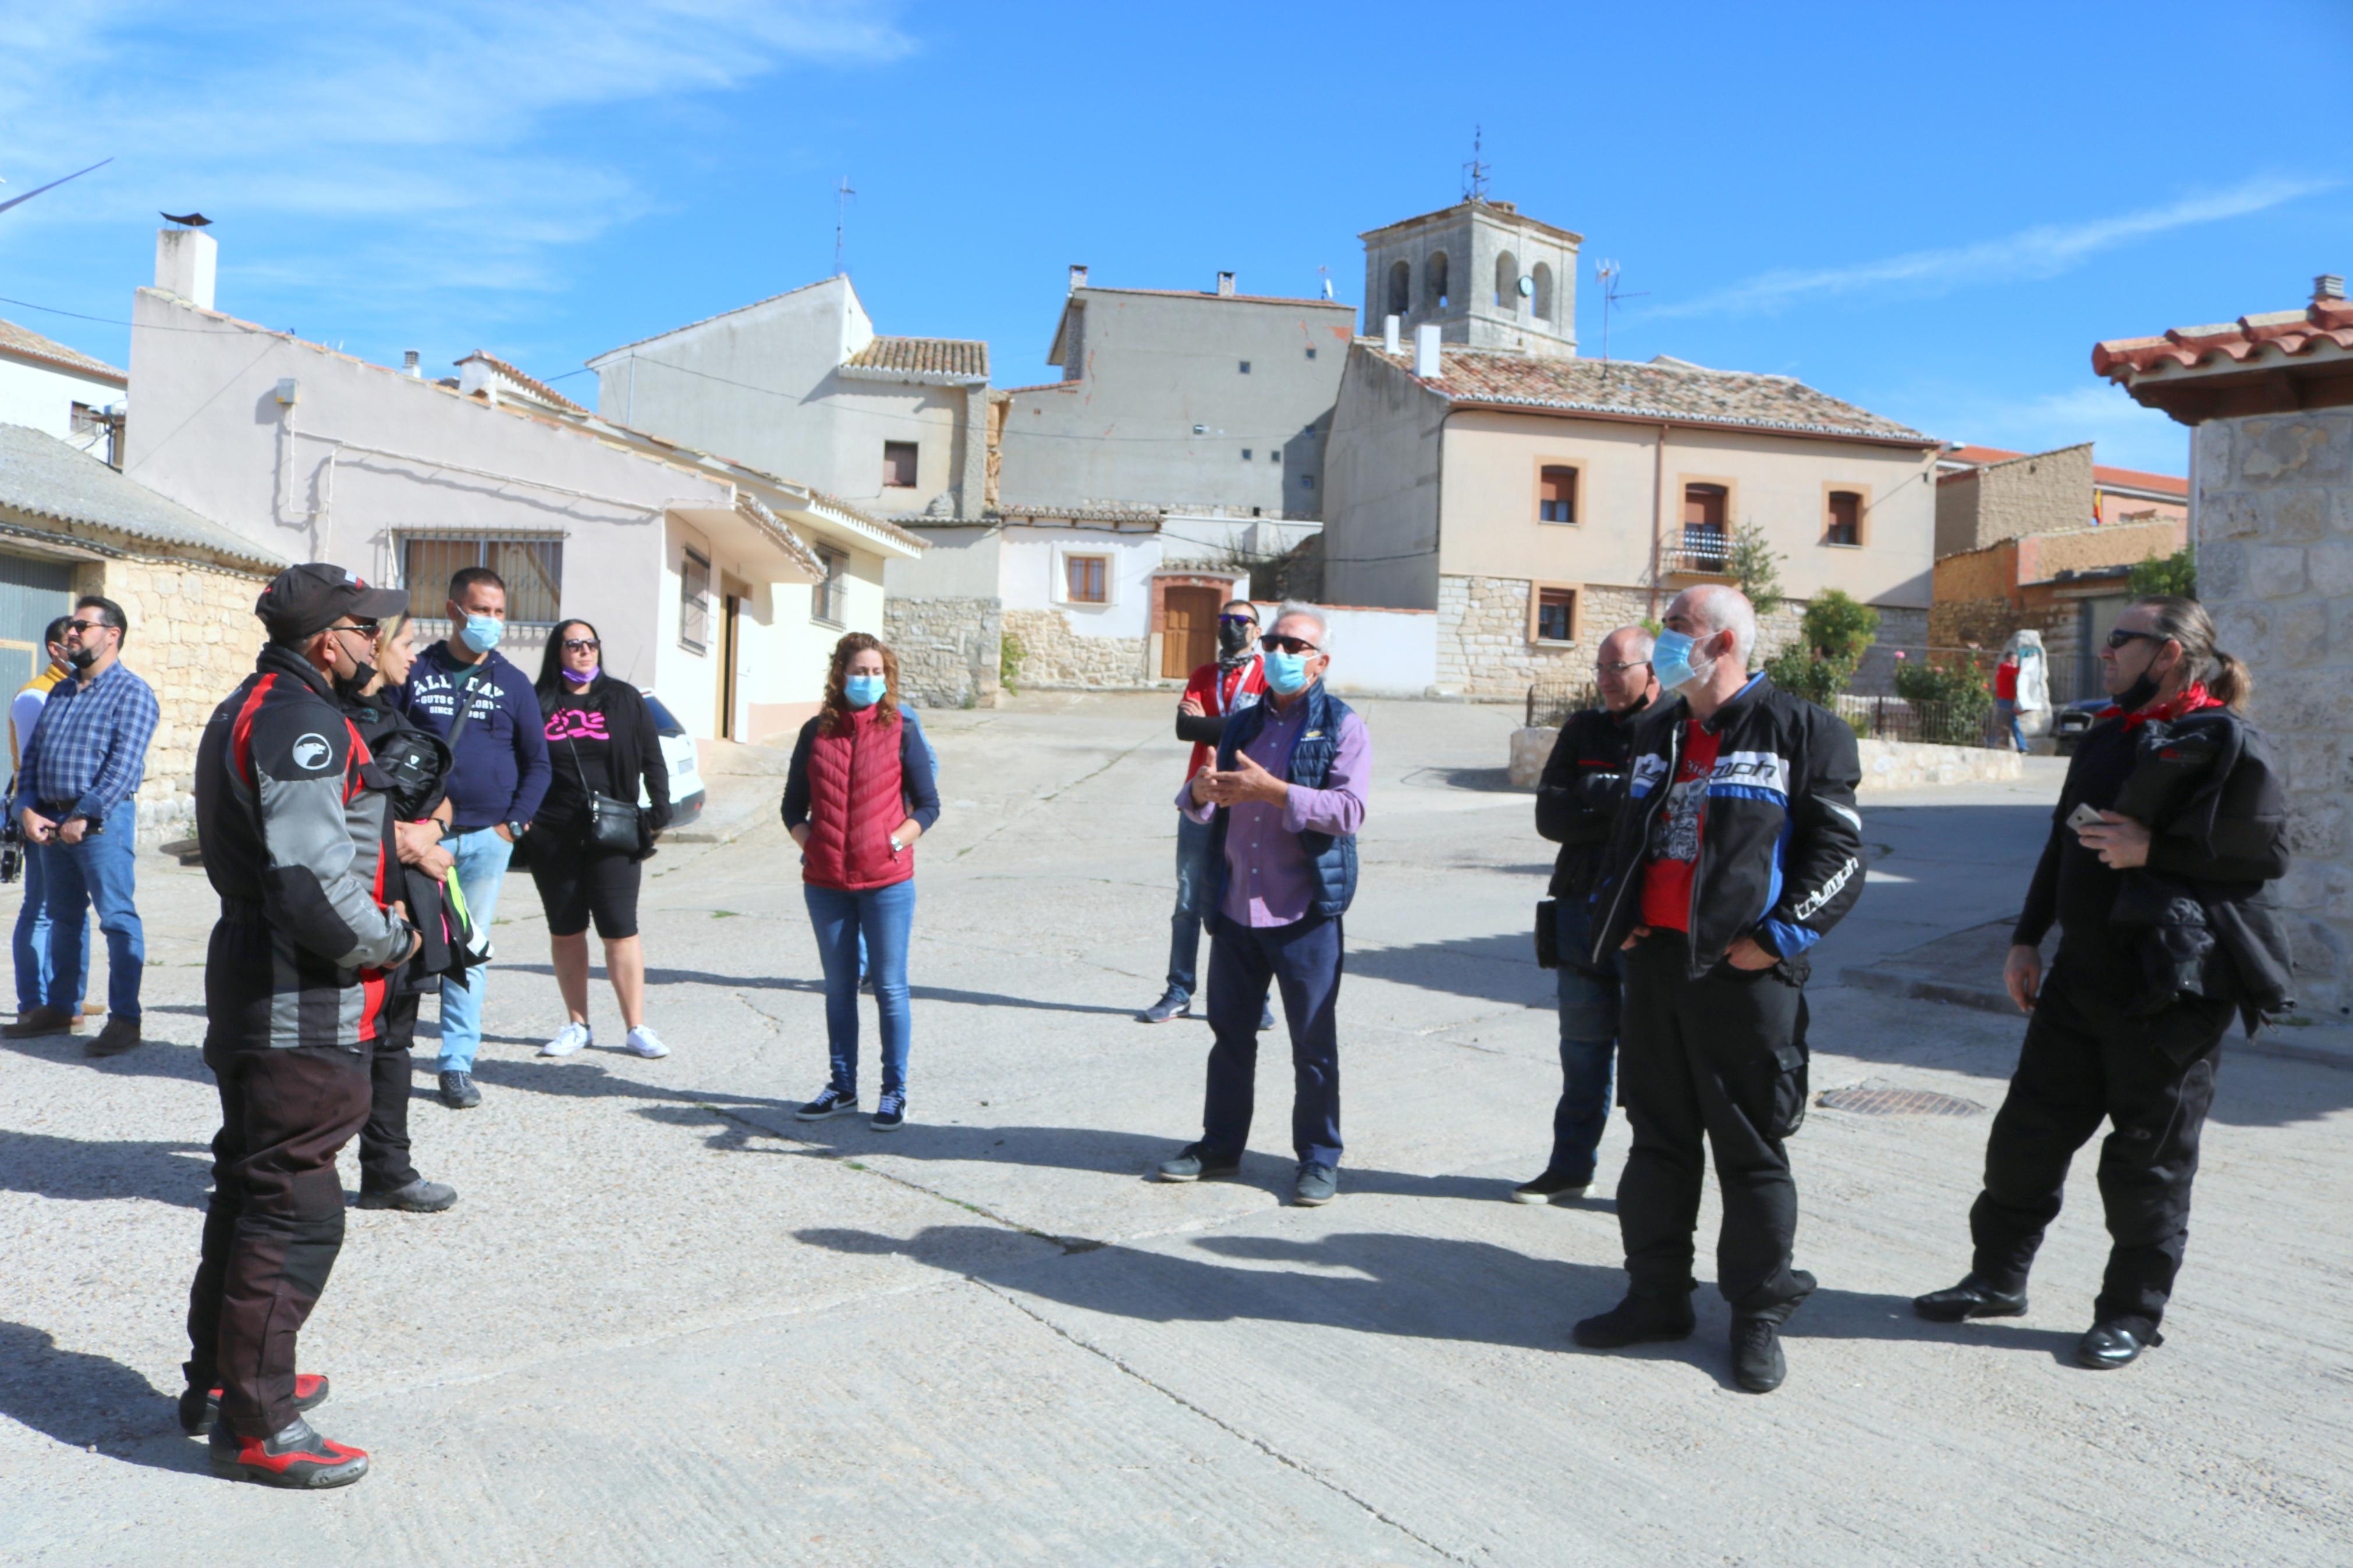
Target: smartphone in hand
column 2084, row 816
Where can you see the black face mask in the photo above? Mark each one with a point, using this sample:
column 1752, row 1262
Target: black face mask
column 83, row 658
column 2138, row 695
column 349, row 687
column 1233, row 636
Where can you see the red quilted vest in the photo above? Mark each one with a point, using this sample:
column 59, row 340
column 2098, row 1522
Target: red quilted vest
column 856, row 798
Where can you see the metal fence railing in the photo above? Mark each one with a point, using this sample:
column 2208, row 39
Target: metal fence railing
column 1935, row 724
column 1550, row 705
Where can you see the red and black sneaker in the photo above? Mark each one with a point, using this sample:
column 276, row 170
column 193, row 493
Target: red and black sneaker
column 298, row 1456
column 197, row 1418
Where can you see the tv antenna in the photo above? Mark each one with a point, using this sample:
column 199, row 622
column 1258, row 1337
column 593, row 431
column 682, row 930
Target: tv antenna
column 1325, row 273
column 1474, row 172
column 1607, row 274
column 841, row 195
column 52, row 185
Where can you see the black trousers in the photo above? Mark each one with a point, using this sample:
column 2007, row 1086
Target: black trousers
column 275, row 1222
column 2152, row 1079
column 1304, row 959
column 1724, row 1058
column 384, row 1141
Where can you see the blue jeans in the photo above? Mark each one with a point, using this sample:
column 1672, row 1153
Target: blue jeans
column 1589, row 1052
column 882, row 916
column 481, row 857
column 1306, row 959
column 100, row 870
column 32, row 948
column 1193, row 875
column 2007, row 714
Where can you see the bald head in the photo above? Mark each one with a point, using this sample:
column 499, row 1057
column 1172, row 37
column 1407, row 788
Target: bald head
column 1714, row 607
column 1622, row 669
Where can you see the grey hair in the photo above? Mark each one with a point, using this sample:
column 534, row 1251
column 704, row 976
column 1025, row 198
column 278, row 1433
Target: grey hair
column 1643, row 644
column 1301, row 608
column 1720, row 608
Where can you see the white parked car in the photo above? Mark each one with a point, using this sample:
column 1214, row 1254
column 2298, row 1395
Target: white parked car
column 678, row 755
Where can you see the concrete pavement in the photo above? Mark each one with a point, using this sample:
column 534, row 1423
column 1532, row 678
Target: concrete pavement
column 666, row 1322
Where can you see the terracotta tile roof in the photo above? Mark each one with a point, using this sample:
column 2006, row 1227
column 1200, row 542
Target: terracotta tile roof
column 961, row 359
column 1071, row 386
column 537, row 388
column 1679, row 394
column 1977, row 457
column 1088, row 512
column 2136, row 480
column 752, row 510
column 2277, row 334
column 27, row 343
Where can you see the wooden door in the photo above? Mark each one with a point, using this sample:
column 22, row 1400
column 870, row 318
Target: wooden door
column 1188, row 630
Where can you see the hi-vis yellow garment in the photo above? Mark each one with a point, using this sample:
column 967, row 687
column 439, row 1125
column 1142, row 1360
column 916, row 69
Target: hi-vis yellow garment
column 23, row 714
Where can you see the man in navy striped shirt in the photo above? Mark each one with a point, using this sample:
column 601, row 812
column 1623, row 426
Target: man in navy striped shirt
column 83, row 761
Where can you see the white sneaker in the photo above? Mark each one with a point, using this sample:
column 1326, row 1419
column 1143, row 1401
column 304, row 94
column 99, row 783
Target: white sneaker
column 644, row 1042
column 568, row 1040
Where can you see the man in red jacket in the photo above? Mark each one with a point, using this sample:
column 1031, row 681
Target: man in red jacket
column 1236, row 682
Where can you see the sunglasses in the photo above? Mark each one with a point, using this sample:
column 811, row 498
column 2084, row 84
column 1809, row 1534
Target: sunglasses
column 85, row 625
column 2122, row 639
column 366, row 628
column 1273, row 643
column 581, row 645
column 1237, row 620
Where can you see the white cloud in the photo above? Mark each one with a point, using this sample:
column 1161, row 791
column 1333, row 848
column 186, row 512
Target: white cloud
column 407, row 148
column 2043, row 251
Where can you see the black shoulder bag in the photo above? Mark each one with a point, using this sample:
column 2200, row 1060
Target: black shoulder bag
column 613, row 824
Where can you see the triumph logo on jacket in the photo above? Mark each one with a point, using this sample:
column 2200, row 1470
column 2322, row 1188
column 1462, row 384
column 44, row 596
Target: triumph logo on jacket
column 1763, row 772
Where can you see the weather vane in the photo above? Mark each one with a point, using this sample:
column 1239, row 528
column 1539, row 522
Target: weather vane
column 841, row 195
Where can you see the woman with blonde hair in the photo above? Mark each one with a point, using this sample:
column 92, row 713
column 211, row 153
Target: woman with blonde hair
column 859, row 793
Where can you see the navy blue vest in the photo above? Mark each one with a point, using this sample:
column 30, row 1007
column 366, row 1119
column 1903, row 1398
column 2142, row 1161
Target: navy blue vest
column 1332, row 855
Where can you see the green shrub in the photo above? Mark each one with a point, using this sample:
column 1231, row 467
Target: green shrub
column 1833, row 632
column 1009, row 655
column 1754, row 568
column 2176, row 574
column 1952, row 703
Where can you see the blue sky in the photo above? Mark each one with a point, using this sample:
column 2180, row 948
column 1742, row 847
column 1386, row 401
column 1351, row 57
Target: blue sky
column 1931, row 210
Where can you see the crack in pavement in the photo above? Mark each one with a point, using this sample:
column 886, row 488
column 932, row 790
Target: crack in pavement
column 1261, row 1445
column 1021, row 813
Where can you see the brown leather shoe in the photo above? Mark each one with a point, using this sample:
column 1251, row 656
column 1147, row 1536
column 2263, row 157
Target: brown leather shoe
column 119, row 1035
column 40, row 1021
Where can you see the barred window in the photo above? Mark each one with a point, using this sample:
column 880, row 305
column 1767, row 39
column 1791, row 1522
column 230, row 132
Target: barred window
column 827, row 599
column 531, row 567
column 694, row 602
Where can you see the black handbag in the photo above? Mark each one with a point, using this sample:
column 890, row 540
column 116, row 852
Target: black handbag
column 613, row 825
column 1548, row 933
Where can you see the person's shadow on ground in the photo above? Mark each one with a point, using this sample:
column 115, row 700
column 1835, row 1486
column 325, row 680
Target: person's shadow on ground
column 73, row 1170
column 88, row 1400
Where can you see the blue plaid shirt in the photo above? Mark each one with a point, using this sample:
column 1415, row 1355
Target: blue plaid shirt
column 89, row 747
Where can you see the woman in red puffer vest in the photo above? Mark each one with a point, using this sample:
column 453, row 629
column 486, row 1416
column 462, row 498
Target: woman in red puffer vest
column 859, row 793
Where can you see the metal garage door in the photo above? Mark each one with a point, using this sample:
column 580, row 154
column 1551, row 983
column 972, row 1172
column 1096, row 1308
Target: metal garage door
column 33, row 592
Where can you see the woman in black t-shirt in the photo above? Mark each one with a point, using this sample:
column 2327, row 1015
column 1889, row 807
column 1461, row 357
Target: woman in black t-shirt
column 600, row 739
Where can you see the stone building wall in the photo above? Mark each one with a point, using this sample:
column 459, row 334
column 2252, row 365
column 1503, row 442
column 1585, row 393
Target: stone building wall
column 1484, row 654
column 2274, row 549
column 2038, row 494
column 192, row 637
column 1054, row 655
column 948, row 649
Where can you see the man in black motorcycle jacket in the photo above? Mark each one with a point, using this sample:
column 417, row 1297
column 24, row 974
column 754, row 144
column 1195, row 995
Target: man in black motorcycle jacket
column 1737, row 847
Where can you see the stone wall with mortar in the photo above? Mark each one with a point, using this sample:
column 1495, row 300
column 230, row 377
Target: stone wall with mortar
column 948, row 649
column 1055, row 656
column 192, row 637
column 2273, row 536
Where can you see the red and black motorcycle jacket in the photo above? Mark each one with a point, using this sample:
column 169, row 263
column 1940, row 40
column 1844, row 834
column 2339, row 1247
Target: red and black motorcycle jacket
column 296, row 836
column 1780, row 843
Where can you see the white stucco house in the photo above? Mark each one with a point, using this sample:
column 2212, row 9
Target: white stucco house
column 61, row 391
column 721, row 586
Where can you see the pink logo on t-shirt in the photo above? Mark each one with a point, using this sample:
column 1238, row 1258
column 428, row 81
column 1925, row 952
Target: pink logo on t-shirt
column 577, row 724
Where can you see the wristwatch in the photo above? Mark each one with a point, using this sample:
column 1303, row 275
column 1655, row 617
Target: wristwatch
column 514, row 829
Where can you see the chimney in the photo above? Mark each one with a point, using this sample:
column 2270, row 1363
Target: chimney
column 185, row 259
column 1078, row 275
column 2326, row 286
column 1389, row 335
column 1226, row 284
column 1426, row 361
column 408, row 365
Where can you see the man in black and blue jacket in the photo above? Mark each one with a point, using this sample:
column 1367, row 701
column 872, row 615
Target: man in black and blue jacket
column 1738, row 846
column 1282, row 804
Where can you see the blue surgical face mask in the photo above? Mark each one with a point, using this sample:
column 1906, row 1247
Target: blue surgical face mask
column 865, row 690
column 1286, row 672
column 482, row 632
column 1671, row 661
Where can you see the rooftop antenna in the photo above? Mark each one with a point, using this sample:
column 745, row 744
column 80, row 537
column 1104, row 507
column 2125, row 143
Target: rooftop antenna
column 841, row 195
column 1607, row 274
column 52, row 185
column 1325, row 273
column 1474, row 172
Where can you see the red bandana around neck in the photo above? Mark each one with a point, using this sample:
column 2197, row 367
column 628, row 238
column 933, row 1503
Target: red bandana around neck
column 2190, row 699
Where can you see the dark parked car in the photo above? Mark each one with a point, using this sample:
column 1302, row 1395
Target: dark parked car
column 2068, row 724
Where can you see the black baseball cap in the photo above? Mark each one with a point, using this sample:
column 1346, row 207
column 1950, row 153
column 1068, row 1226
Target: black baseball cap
column 310, row 598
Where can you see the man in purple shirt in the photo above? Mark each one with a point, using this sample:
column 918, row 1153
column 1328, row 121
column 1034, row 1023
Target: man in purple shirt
column 1282, row 802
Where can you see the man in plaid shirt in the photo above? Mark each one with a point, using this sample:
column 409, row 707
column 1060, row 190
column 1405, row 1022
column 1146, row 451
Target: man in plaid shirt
column 84, row 759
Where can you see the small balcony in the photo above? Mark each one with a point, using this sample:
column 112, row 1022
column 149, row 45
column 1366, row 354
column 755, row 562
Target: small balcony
column 1698, row 553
